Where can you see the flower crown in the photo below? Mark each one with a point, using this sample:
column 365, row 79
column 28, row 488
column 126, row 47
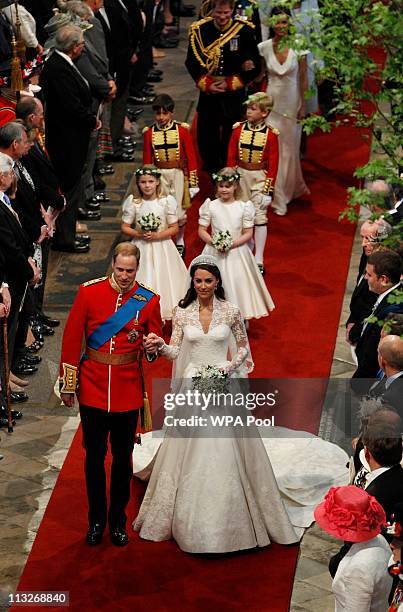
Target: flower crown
column 258, row 98
column 229, row 178
column 156, row 172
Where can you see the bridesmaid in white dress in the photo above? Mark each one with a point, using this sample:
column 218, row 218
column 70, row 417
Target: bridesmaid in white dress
column 211, row 494
column 287, row 82
column 243, row 282
column 161, row 267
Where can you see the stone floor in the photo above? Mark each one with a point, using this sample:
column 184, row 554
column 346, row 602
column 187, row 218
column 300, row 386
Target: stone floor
column 35, row 451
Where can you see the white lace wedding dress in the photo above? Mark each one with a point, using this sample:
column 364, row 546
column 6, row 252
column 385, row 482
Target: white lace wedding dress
column 283, row 86
column 219, row 494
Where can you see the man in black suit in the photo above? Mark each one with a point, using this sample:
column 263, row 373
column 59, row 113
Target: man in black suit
column 362, row 299
column 383, row 272
column 69, row 120
column 17, row 249
column 93, row 63
column 390, row 387
column 124, row 41
column 382, row 441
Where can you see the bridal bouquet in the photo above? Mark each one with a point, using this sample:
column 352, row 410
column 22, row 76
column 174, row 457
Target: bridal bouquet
column 222, row 240
column 149, row 222
column 210, row 379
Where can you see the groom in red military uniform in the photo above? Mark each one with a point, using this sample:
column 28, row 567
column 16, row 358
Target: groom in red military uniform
column 115, row 314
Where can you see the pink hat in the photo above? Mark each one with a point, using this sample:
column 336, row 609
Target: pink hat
column 350, row 514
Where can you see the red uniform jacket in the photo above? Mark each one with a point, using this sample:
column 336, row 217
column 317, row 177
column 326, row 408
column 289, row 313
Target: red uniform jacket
column 256, row 147
column 116, row 388
column 171, row 147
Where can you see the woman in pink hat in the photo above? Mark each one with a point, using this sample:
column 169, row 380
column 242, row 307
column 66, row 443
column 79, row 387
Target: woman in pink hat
column 362, row 582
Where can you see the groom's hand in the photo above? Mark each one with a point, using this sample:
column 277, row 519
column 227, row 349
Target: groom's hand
column 151, row 343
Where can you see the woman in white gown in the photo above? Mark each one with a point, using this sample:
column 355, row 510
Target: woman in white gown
column 161, row 267
column 211, row 494
column 242, row 280
column 287, row 82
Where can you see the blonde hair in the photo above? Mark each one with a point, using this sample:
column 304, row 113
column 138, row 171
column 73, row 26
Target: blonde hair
column 263, row 101
column 127, row 249
column 230, row 172
column 133, row 187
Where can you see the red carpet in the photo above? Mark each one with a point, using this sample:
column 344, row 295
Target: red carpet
column 307, row 260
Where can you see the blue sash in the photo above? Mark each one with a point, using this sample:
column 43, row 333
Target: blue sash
column 118, row 320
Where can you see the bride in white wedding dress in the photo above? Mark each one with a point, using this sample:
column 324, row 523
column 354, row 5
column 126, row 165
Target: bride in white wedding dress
column 219, row 494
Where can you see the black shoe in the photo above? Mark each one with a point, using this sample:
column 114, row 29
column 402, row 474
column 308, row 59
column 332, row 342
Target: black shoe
column 77, row 247
column 83, row 238
column 94, row 535
column 127, row 148
column 22, row 368
column 154, row 79
column 15, row 414
column 46, row 330
column 18, row 397
column 134, row 113
column 92, row 204
column 43, row 318
column 125, row 140
column 181, row 250
column 4, row 422
column 31, row 359
column 119, row 536
column 101, row 196
column 99, row 183
column 141, row 100
column 147, row 91
column 108, row 169
column 155, row 72
column 122, row 157
column 86, row 215
column 37, row 333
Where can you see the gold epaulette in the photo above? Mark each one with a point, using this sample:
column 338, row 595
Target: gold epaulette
column 147, row 127
column 185, row 125
column 147, row 287
column 197, row 24
column 273, row 129
column 245, row 21
column 237, row 124
column 93, row 281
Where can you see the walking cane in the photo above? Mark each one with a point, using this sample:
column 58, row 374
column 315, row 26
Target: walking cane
column 7, row 377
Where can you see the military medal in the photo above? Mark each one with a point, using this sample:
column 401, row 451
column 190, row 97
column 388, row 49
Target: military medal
column 234, row 44
column 134, row 334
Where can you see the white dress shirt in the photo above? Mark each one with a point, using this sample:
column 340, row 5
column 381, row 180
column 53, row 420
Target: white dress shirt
column 362, row 582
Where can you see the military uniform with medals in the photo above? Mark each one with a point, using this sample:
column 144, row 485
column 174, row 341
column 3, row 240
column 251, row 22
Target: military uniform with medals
column 215, row 55
column 171, row 149
column 254, row 151
column 108, row 382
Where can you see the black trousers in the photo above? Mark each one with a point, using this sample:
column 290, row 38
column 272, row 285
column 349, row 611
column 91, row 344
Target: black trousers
column 120, row 427
column 216, row 114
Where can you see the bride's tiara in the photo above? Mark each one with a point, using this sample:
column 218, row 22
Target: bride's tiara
column 206, row 260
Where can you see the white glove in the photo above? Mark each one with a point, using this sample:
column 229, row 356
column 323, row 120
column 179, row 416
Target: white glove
column 193, row 191
column 266, row 200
